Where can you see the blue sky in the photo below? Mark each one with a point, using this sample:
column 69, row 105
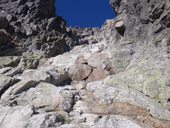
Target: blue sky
column 84, row 13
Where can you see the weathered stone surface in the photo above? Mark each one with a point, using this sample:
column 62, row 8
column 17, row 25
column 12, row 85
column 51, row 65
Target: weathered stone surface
column 58, row 76
column 14, row 71
column 131, row 51
column 117, row 121
column 18, row 88
column 24, row 117
column 29, row 62
column 16, row 116
column 121, row 59
column 97, row 74
column 5, row 83
column 81, row 60
column 43, row 96
column 93, row 121
column 9, row 61
column 64, row 61
column 96, row 59
column 79, row 72
column 56, row 23
column 48, row 120
column 120, row 27
column 101, row 114
column 5, row 69
column 50, row 74
column 107, row 94
column 35, row 75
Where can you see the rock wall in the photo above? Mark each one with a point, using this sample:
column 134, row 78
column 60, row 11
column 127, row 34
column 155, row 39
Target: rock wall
column 146, row 35
column 34, row 27
column 54, row 76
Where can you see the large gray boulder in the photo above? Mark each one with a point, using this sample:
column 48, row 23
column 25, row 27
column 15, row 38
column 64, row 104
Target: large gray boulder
column 79, row 72
column 35, row 75
column 16, row 116
column 43, row 96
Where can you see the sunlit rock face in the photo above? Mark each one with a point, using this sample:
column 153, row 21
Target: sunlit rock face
column 146, row 28
column 149, row 16
column 114, row 76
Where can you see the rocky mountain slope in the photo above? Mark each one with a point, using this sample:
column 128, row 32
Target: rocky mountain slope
column 117, row 76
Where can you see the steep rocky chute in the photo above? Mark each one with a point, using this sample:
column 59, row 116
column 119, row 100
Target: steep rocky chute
column 54, row 76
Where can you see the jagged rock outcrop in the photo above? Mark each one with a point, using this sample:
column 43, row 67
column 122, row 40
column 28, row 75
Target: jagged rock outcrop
column 34, row 27
column 117, row 76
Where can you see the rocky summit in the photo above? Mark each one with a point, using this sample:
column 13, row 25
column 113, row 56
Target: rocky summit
column 54, row 76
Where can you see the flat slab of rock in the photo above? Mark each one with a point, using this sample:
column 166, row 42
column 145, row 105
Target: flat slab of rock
column 64, row 61
column 97, row 74
column 96, row 59
column 79, row 72
column 51, row 74
column 35, row 75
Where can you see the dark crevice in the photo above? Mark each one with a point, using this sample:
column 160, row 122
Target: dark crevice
column 168, row 83
column 66, row 82
column 168, row 100
column 89, row 74
column 121, row 30
column 6, row 87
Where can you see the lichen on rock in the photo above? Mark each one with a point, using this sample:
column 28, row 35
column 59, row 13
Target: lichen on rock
column 52, row 75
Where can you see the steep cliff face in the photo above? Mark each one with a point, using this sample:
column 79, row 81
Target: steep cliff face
column 146, row 33
column 144, row 18
column 54, row 76
column 29, row 10
column 34, row 27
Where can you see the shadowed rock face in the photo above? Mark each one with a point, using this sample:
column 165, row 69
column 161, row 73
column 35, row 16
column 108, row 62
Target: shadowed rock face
column 36, row 10
column 34, row 27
